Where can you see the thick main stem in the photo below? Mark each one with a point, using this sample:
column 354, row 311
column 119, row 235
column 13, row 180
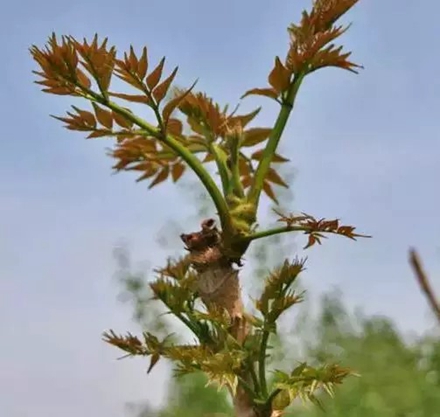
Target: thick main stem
column 218, row 285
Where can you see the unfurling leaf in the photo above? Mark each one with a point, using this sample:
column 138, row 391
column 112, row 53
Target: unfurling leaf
column 279, row 77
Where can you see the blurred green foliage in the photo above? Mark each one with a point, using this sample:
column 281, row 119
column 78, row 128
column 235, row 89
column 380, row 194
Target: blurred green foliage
column 399, row 376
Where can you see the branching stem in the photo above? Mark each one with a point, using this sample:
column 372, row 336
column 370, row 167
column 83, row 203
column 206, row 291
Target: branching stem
column 184, row 153
column 274, row 139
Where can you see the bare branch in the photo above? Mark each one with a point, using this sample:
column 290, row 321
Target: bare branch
column 422, row 278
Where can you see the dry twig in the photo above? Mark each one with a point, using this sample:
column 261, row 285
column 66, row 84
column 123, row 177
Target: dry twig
column 422, row 278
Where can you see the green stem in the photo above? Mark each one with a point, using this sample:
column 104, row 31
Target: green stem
column 276, row 231
column 187, row 323
column 262, row 363
column 272, row 396
column 236, row 183
column 255, row 381
column 274, row 139
column 184, row 153
column 285, row 229
column 220, row 159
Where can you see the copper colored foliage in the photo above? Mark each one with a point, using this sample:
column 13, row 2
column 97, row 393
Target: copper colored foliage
column 315, row 228
column 310, row 41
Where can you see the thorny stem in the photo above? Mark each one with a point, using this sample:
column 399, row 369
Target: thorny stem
column 186, row 155
column 274, row 139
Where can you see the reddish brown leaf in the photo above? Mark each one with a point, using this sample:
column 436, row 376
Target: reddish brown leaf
column 244, row 167
column 142, row 67
column 246, row 181
column 279, row 159
column 104, row 117
column 274, row 177
column 161, row 90
column 267, row 188
column 174, row 103
column 244, row 119
column 145, row 166
column 121, row 120
column 255, row 135
column 267, row 92
column 149, row 145
column 275, row 159
column 154, row 359
column 120, row 165
column 147, row 174
column 59, row 91
column 132, row 59
column 311, row 241
column 99, row 133
column 177, row 171
column 174, row 127
column 47, row 83
column 87, row 117
column 325, row 13
column 155, row 75
column 279, row 77
column 134, row 98
column 83, row 79
column 208, row 158
column 195, row 125
column 160, row 177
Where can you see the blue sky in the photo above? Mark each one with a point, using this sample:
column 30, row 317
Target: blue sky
column 365, row 148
